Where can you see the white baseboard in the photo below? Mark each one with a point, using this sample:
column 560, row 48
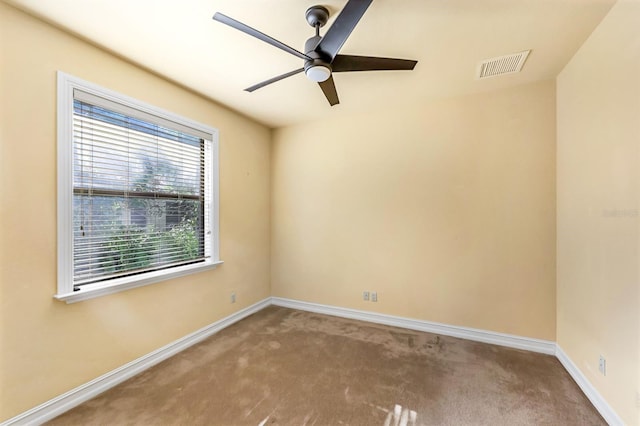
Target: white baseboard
column 492, row 337
column 77, row 396
column 590, row 392
column 74, row 397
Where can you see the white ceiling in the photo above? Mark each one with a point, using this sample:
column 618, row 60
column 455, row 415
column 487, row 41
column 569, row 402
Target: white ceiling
column 180, row 41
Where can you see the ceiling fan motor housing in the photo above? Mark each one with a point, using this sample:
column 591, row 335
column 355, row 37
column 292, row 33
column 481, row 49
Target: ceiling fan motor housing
column 317, row 68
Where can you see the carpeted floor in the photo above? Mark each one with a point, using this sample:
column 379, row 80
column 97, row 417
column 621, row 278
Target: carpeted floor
column 287, row 367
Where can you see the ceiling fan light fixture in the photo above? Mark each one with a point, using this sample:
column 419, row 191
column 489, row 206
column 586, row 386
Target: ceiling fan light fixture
column 318, row 73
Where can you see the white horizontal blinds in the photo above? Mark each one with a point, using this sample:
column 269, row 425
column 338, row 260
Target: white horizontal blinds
column 139, row 192
column 115, row 106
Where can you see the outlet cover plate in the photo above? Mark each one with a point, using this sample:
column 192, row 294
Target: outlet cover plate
column 602, row 365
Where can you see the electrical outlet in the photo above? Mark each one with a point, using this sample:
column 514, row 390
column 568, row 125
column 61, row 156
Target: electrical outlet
column 365, row 296
column 602, row 365
column 233, row 297
column 374, row 296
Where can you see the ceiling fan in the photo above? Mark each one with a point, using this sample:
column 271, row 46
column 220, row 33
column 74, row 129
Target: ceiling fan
column 321, row 57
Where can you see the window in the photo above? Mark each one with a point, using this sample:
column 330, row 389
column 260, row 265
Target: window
column 137, row 193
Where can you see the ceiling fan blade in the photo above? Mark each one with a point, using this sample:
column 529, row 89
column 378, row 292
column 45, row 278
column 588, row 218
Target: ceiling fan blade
column 273, row 80
column 257, row 34
column 345, row 63
column 329, row 89
column 342, row 27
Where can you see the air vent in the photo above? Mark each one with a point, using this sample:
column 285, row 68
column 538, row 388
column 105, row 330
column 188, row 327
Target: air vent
column 507, row 64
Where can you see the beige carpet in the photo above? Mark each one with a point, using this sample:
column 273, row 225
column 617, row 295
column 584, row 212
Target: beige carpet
column 287, row 367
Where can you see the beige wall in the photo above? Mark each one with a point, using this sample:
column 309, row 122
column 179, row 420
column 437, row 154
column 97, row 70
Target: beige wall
column 598, row 199
column 48, row 347
column 447, row 210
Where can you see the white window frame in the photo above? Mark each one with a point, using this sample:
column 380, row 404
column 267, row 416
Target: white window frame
column 66, row 86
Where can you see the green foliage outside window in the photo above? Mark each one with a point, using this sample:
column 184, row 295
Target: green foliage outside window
column 128, row 247
column 184, row 237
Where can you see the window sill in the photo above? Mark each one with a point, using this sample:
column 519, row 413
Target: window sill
column 90, row 291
